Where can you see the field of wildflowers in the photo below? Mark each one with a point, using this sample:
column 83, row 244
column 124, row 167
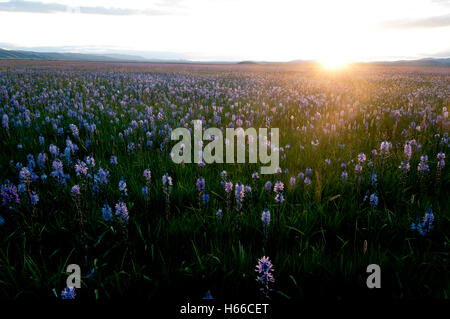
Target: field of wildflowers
column 87, row 178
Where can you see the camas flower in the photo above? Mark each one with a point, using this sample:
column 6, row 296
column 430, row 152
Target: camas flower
column 264, row 270
column 361, row 157
column 279, row 187
column 106, row 212
column 81, row 168
column 405, row 166
column 228, row 187
column 441, row 160
column 34, row 198
column 147, row 175
column 101, row 177
column 123, row 187
column 200, row 185
column 68, row 293
column 268, row 186
column 239, row 194
column 424, row 227
column 25, row 175
column 265, row 217
column 219, row 214
column 122, row 211
column 307, row 181
column 373, row 200
column 279, row 198
column 54, row 150
column 58, row 172
column 9, row 194
column 408, row 150
column 90, row 161
column 385, row 147
column 75, row 190
column 167, row 180
column 292, row 181
column 113, row 160
column 423, row 164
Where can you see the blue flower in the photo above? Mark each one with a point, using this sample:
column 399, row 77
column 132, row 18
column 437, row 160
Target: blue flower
column 68, row 293
column 107, row 213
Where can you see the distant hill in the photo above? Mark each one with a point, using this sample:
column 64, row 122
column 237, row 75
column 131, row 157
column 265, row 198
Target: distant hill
column 62, row 56
column 20, row 54
column 419, row 62
column 247, row 62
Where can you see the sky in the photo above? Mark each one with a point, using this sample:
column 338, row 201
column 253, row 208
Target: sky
column 232, row 30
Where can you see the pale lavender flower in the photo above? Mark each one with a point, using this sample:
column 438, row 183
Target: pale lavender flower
column 385, row 147
column 122, row 211
column 54, row 150
column 41, row 159
column 25, row 175
column 58, row 172
column 76, row 190
column 265, row 217
column 265, row 270
column 228, row 187
column 90, row 161
column 167, row 180
column 405, row 166
column 408, row 150
column 239, row 194
column 147, row 175
column 307, row 181
column 123, row 187
column 279, row 187
column 441, row 160
column 81, row 168
column 292, row 181
column 308, row 171
column 361, row 158
column 423, row 164
column 74, row 130
column 200, row 185
column 374, row 152
column 279, row 198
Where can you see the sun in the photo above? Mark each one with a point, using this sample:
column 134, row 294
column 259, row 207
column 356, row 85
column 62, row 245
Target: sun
column 334, row 63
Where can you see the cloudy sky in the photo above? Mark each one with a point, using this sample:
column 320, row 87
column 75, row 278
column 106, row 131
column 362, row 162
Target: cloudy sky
column 280, row 30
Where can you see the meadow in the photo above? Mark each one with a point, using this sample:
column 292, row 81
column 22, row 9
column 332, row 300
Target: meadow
column 87, row 178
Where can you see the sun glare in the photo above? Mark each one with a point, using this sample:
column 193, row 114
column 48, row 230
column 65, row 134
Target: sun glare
column 334, row 63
